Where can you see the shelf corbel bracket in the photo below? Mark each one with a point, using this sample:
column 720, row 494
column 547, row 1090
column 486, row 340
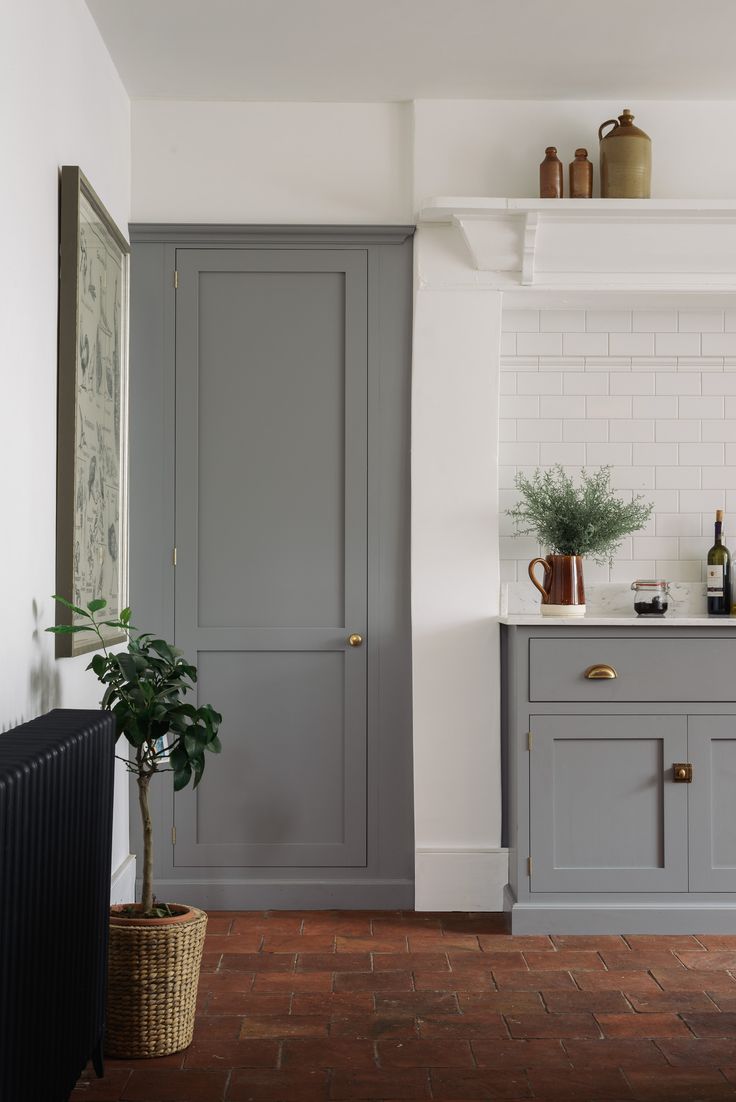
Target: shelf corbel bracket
column 460, row 223
column 528, row 247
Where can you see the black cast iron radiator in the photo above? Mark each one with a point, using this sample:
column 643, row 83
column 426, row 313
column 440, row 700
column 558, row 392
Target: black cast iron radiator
column 56, row 797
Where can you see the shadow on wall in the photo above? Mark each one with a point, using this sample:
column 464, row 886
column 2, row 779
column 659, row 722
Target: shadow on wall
column 44, row 689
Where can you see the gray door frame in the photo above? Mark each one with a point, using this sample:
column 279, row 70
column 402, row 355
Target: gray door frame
column 387, row 881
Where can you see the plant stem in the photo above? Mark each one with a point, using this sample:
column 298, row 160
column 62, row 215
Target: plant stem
column 144, row 780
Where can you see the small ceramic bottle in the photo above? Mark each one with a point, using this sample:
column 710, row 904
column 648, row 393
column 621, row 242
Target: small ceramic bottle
column 550, row 175
column 581, row 176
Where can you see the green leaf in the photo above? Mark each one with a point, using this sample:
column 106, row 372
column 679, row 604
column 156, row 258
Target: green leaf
column 68, row 629
column 67, row 604
column 125, row 616
column 97, row 604
column 182, row 777
column 214, row 745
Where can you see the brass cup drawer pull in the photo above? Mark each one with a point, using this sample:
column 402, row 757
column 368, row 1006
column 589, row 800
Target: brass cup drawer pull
column 682, row 772
column 600, row 673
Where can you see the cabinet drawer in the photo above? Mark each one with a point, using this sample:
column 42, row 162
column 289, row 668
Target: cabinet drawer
column 647, row 669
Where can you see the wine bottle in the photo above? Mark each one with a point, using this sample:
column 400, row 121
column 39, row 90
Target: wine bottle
column 718, row 573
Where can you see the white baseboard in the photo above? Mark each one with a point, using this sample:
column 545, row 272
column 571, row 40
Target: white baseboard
column 460, row 879
column 122, row 885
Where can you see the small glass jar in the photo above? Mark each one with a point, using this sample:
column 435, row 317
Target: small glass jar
column 650, row 597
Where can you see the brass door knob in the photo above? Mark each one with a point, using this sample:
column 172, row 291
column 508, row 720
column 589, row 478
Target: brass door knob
column 355, row 640
column 600, row 673
column 682, row 772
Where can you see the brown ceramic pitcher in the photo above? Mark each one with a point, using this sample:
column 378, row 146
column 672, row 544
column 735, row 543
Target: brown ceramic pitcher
column 563, row 593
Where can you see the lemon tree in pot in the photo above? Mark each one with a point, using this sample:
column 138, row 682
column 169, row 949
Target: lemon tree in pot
column 155, row 948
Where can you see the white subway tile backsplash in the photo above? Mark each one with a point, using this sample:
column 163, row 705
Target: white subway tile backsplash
column 630, row 382
column 563, row 406
column 677, row 524
column 693, row 502
column 715, row 478
column 719, row 430
column 520, row 321
column 566, row 454
column 562, row 321
column 677, row 344
column 678, row 478
column 539, row 429
column 608, row 321
column 548, row 382
column 680, row 570
column 719, row 344
column 586, row 430
column 721, row 382
column 608, row 407
column 631, row 344
column 655, row 547
column 654, row 321
column 539, row 344
column 652, row 395
column 585, row 344
column 664, row 455
column 519, row 455
column 602, row 455
column 631, row 431
column 700, row 407
column 700, row 321
column 677, row 430
column 701, row 454
column 508, row 572
column 518, row 406
column 578, row 382
column 677, row 382
column 663, row 406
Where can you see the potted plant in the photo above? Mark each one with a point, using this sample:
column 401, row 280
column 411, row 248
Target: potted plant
column 572, row 522
column 155, row 948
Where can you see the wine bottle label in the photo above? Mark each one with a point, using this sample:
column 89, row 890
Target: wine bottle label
column 714, row 580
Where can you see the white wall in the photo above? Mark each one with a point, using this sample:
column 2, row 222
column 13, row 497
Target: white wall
column 493, row 147
column 63, row 104
column 346, row 163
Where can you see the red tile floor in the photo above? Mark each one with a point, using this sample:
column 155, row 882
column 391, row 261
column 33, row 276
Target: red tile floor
column 396, row 1005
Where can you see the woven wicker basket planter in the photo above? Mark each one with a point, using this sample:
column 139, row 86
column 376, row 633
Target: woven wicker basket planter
column 153, row 974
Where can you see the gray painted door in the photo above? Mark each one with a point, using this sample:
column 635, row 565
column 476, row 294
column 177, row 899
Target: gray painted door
column 271, row 578
column 605, row 814
column 712, row 752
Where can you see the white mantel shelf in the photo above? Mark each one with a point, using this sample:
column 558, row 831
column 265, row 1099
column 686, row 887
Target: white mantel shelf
column 678, row 245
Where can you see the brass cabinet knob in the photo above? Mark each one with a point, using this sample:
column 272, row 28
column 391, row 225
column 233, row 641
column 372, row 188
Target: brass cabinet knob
column 682, row 772
column 355, row 640
column 600, row 673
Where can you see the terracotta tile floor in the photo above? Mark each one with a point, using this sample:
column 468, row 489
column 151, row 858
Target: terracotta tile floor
column 317, row 1005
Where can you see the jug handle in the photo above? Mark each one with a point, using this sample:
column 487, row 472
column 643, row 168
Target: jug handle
column 609, row 122
column 547, row 570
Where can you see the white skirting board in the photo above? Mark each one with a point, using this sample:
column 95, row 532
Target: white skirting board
column 122, row 885
column 460, row 879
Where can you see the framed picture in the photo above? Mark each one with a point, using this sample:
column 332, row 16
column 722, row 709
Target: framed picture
column 92, row 467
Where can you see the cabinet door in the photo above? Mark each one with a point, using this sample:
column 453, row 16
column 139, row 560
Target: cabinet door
column 712, row 796
column 605, row 813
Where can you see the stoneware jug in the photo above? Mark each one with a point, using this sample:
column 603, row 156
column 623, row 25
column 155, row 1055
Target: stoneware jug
column 626, row 159
column 562, row 592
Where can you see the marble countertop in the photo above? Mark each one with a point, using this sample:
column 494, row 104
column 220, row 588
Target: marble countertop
column 667, row 621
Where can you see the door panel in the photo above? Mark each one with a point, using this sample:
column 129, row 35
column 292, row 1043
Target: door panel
column 271, row 504
column 712, row 752
column 605, row 815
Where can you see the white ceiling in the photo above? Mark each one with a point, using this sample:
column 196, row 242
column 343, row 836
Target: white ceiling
column 364, row 50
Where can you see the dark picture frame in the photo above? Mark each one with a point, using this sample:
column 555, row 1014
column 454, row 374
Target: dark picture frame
column 92, row 420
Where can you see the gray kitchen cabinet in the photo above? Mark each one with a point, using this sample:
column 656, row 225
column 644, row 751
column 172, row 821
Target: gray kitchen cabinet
column 605, row 833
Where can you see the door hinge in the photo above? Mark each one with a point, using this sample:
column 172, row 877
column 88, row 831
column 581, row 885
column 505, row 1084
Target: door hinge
column 529, row 740
column 173, row 836
column 176, row 280
column 529, row 866
column 173, row 557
